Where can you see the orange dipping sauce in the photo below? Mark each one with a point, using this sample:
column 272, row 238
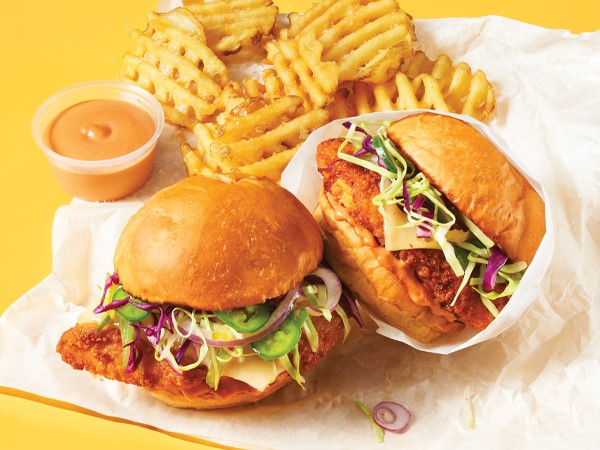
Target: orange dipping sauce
column 99, row 138
column 99, row 129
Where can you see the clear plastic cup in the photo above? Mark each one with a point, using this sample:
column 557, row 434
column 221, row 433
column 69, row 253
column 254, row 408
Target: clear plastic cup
column 99, row 180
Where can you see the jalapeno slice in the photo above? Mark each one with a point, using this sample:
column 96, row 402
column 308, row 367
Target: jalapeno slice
column 129, row 311
column 247, row 319
column 280, row 341
column 301, row 317
column 462, row 256
column 127, row 336
column 383, row 154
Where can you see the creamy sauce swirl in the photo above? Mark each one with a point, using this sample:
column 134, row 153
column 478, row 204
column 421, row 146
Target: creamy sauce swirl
column 99, row 129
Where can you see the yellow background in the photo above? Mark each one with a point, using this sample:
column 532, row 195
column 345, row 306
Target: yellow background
column 46, row 46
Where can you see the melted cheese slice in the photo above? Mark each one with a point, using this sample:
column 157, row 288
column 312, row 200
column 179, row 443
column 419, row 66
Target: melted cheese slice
column 398, row 237
column 253, row 371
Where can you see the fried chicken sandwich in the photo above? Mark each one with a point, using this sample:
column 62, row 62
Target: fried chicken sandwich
column 216, row 298
column 427, row 222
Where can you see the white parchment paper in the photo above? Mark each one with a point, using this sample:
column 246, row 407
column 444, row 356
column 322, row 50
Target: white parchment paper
column 533, row 386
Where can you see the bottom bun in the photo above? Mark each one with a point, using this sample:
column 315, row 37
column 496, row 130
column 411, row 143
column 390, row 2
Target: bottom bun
column 230, row 393
column 378, row 279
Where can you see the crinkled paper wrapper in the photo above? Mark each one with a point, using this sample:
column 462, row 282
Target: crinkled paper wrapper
column 302, row 179
column 533, row 386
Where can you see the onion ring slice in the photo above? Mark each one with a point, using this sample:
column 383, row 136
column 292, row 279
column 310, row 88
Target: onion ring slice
column 332, row 284
column 391, row 416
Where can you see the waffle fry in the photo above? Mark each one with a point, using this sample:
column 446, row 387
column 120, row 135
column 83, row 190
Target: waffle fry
column 256, row 137
column 171, row 60
column 235, row 94
column 368, row 39
column 427, row 84
column 338, row 59
column 230, row 24
column 463, row 91
column 298, row 70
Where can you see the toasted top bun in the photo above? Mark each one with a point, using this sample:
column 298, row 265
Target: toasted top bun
column 476, row 178
column 217, row 243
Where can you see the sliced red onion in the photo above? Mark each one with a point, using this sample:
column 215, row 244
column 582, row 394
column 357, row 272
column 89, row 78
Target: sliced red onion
column 495, row 263
column 332, row 284
column 143, row 306
column 281, row 312
column 391, row 416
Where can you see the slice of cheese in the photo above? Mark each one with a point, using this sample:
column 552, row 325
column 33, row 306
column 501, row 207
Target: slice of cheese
column 397, row 235
column 253, row 371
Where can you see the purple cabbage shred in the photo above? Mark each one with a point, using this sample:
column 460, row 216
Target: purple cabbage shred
column 495, row 263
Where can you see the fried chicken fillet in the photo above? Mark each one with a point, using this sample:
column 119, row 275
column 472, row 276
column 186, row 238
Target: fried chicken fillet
column 102, row 354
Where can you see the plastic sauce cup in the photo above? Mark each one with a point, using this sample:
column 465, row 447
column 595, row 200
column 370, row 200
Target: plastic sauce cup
column 99, row 180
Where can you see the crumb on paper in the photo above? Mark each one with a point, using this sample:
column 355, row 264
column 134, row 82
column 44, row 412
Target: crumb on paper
column 469, row 408
column 377, row 430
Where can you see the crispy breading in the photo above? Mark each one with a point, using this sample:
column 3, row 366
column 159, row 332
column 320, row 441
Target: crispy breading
column 432, row 269
column 101, row 354
column 352, row 186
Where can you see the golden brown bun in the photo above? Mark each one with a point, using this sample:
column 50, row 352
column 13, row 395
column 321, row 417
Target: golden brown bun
column 476, row 178
column 231, row 393
column 395, row 296
column 218, row 243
